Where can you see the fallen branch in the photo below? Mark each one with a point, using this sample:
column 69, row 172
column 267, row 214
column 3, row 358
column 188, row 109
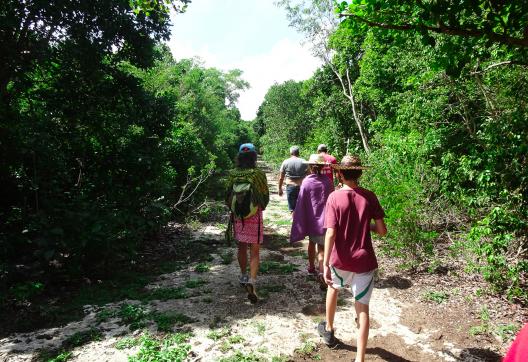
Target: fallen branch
column 188, row 190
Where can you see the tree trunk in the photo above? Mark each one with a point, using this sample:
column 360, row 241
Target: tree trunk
column 349, row 93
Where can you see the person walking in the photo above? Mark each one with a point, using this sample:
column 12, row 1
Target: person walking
column 247, row 196
column 308, row 217
column 293, row 169
column 351, row 213
column 322, row 149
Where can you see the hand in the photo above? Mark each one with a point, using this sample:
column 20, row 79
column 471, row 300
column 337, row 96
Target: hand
column 280, row 192
column 328, row 275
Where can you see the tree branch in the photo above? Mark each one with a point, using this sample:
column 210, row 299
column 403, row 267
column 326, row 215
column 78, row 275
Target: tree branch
column 188, row 184
column 443, row 29
column 506, row 62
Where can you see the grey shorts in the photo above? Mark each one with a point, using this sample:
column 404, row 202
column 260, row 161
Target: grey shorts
column 317, row 239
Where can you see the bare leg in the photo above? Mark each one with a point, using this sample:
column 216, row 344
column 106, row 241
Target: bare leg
column 242, row 257
column 362, row 312
column 254, row 261
column 311, row 254
column 331, row 304
column 320, row 256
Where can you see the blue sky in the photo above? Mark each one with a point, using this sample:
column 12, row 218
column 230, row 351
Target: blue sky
column 251, row 35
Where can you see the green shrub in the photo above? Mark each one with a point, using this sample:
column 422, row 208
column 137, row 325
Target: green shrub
column 127, row 342
column 61, row 357
column 394, row 178
column 241, row 357
column 434, row 296
column 132, row 315
column 166, row 321
column 172, row 348
column 167, row 293
column 202, row 268
column 227, row 257
column 493, row 241
column 217, row 334
column 274, row 267
column 81, row 338
column 195, row 283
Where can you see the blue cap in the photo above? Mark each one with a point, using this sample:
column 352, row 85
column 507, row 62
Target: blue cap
column 247, row 147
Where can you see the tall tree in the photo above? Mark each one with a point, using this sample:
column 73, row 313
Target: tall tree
column 316, row 19
column 503, row 22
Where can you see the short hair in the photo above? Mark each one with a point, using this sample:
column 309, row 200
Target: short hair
column 246, row 160
column 316, row 169
column 351, row 174
column 294, row 150
column 322, row 148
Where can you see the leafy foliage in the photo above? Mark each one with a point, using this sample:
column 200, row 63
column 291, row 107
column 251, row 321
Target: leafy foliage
column 104, row 136
column 274, row 267
column 440, row 89
column 502, row 22
column 173, row 347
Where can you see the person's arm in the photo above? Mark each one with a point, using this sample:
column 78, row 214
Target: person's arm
column 281, row 180
column 379, row 227
column 328, row 246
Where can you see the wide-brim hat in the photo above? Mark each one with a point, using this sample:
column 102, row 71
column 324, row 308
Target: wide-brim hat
column 316, row 159
column 350, row 163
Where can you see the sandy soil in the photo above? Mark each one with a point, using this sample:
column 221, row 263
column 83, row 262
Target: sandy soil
column 404, row 327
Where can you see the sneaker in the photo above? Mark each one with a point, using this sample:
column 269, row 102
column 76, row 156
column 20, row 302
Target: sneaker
column 312, row 271
column 252, row 296
column 328, row 336
column 243, row 279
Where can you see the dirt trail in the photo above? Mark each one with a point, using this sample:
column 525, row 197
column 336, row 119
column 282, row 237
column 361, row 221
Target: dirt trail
column 281, row 326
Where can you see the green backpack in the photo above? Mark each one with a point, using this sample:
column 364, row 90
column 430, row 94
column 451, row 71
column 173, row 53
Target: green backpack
column 241, row 203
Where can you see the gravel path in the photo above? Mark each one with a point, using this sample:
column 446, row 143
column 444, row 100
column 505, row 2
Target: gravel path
column 281, row 326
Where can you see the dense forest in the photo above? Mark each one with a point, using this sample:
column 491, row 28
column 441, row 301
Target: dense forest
column 114, row 155
column 105, row 137
column 433, row 96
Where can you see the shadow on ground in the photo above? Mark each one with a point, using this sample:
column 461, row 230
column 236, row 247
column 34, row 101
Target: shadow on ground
column 394, row 281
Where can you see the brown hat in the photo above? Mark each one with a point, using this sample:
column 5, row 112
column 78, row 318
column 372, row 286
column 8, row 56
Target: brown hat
column 350, row 163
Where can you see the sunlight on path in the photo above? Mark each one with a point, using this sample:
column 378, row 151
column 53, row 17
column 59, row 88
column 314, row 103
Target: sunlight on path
column 220, row 317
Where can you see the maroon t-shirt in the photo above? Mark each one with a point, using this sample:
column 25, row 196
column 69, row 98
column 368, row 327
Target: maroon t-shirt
column 327, row 170
column 349, row 212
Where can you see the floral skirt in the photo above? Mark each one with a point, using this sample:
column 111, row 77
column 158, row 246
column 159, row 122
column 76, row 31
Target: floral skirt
column 251, row 230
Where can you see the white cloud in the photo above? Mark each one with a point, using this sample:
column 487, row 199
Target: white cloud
column 182, row 49
column 252, row 36
column 286, row 60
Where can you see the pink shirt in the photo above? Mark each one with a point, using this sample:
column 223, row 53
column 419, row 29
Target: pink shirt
column 327, row 170
column 349, row 212
column 519, row 349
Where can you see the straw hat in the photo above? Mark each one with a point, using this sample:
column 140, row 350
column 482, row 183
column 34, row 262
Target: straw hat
column 316, row 159
column 350, row 163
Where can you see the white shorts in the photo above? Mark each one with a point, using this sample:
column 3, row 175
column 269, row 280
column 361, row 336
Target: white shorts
column 361, row 284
